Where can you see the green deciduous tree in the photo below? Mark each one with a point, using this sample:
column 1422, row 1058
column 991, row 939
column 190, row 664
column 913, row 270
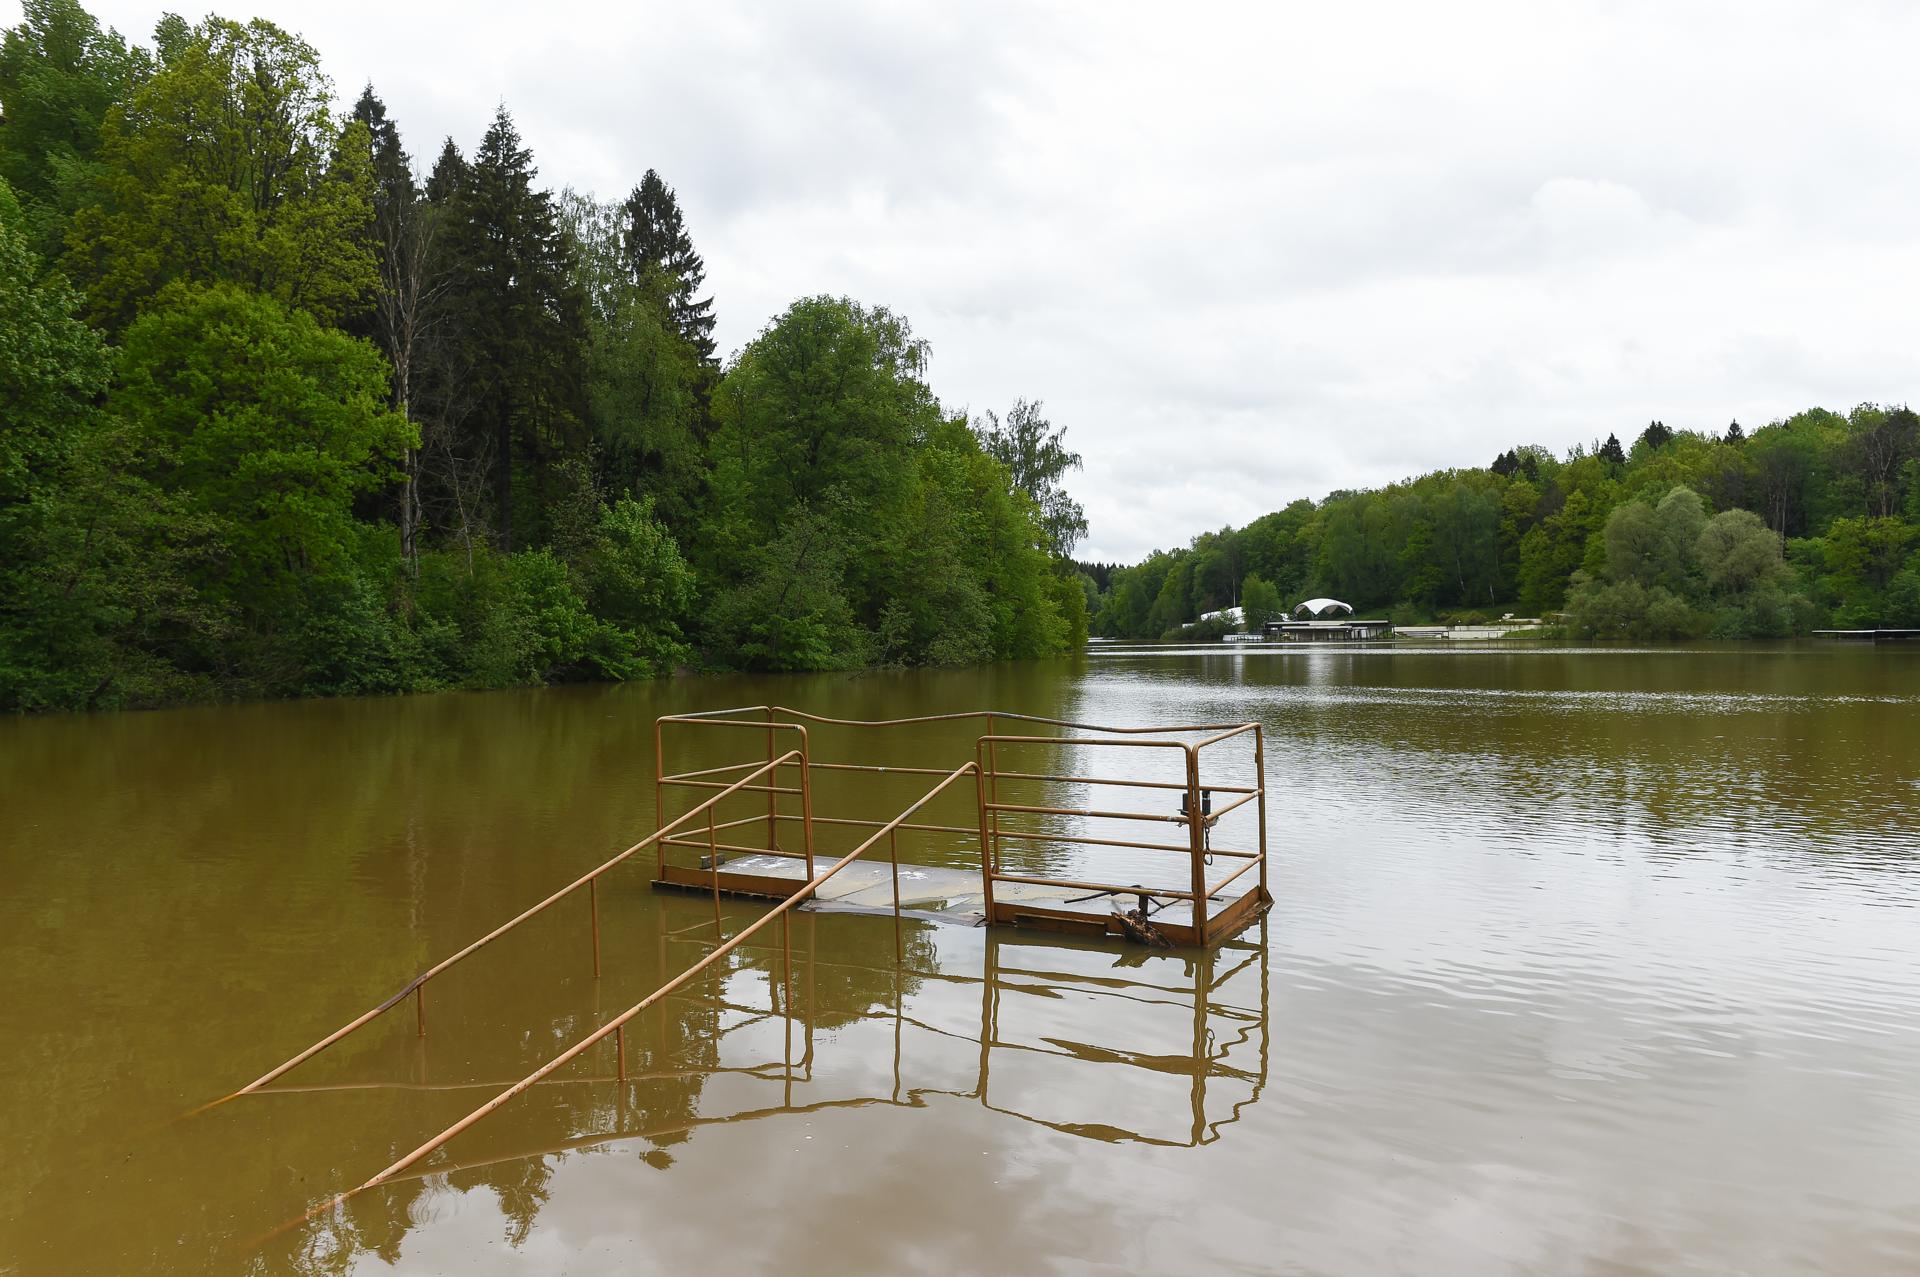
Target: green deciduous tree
column 59, row 75
column 227, row 166
column 264, row 421
column 1036, row 455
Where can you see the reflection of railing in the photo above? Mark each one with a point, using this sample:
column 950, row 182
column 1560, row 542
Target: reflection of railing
column 1208, row 1060
column 617, row 1025
column 1200, row 915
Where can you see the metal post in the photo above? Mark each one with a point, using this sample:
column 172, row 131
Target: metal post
column 420, row 1007
column 773, row 798
column 659, row 795
column 980, row 797
column 713, row 861
column 593, row 905
column 1260, row 780
column 786, row 1000
column 1196, row 836
column 893, row 853
column 806, row 796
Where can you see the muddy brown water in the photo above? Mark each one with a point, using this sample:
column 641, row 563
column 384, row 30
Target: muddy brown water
column 1581, row 962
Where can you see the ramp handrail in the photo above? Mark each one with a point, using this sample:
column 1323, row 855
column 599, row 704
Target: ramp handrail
column 417, row 985
column 619, row 1022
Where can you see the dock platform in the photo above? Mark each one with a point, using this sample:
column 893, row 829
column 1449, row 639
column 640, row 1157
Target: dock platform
column 941, row 893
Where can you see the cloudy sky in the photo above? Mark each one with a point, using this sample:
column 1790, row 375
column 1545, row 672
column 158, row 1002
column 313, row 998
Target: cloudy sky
column 1245, row 254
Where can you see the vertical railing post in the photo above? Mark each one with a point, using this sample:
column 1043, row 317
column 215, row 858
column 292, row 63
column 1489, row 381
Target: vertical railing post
column 420, row 1008
column 806, row 796
column 1260, row 780
column 1196, row 844
column 773, row 797
column 713, row 862
column 593, row 907
column 620, row 1052
column 786, row 999
column 993, row 797
column 986, row 856
column 893, row 854
column 659, row 795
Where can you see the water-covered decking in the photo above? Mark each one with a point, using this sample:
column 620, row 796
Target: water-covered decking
column 940, row 893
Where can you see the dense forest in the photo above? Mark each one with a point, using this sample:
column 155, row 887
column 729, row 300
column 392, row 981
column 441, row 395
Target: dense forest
column 286, row 413
column 1812, row 519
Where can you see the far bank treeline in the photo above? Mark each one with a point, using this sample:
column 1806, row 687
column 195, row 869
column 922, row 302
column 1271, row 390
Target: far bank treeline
column 1813, row 519
column 287, row 413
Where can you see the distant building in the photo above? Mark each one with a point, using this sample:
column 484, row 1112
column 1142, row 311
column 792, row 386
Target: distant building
column 1324, row 621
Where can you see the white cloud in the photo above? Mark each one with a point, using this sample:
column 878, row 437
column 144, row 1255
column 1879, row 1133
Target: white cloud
column 1247, row 254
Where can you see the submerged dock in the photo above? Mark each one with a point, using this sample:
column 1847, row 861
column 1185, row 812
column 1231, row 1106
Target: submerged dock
column 941, row 893
column 1019, row 832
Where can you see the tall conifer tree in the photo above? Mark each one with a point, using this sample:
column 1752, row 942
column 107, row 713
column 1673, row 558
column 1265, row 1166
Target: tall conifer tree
column 657, row 241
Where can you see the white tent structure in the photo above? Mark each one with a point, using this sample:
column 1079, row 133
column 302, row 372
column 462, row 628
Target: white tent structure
column 1321, row 607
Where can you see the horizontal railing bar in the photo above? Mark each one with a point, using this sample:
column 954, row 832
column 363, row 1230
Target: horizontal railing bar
column 1246, row 797
column 745, row 789
column 1024, row 836
column 875, row 824
column 869, row 767
column 1156, row 816
column 499, row 931
column 1179, row 785
column 710, row 771
column 1227, row 734
column 1104, row 888
column 1221, row 886
column 737, row 849
column 804, row 891
column 1082, row 740
column 721, row 716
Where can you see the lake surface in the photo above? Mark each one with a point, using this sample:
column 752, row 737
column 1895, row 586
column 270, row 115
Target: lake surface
column 1581, row 961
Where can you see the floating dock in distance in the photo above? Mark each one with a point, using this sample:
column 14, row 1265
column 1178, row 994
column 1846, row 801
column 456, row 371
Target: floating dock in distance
column 1871, row 636
column 1203, row 907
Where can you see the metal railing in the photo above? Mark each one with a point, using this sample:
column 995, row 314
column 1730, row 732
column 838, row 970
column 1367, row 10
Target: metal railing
column 417, row 986
column 991, row 831
column 615, row 1027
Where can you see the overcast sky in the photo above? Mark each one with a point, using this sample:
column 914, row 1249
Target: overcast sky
column 1245, row 255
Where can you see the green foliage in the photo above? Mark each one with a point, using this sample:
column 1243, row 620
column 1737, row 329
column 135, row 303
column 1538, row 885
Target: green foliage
column 1262, row 603
column 59, row 75
column 1036, row 455
column 265, row 422
column 365, row 433
column 1674, row 573
column 226, row 166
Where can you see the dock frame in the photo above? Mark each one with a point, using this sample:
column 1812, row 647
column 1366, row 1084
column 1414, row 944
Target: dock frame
column 752, row 861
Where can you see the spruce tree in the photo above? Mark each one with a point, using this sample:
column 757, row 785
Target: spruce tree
column 520, row 317
column 1734, row 433
column 1612, row 452
column 656, row 241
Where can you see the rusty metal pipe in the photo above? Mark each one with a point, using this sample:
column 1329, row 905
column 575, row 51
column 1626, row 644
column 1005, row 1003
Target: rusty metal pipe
column 365, row 1017
column 587, row 1043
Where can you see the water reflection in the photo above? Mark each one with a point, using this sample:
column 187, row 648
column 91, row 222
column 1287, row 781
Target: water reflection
column 1163, row 1050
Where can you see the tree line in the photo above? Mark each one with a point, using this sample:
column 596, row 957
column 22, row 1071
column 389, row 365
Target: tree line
column 1811, row 520
column 287, row 413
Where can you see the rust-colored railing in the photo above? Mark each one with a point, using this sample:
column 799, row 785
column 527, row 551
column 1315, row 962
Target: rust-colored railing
column 616, row 1026
column 416, row 987
column 991, row 830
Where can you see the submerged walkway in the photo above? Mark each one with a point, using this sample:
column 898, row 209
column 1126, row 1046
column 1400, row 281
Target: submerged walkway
column 937, row 893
